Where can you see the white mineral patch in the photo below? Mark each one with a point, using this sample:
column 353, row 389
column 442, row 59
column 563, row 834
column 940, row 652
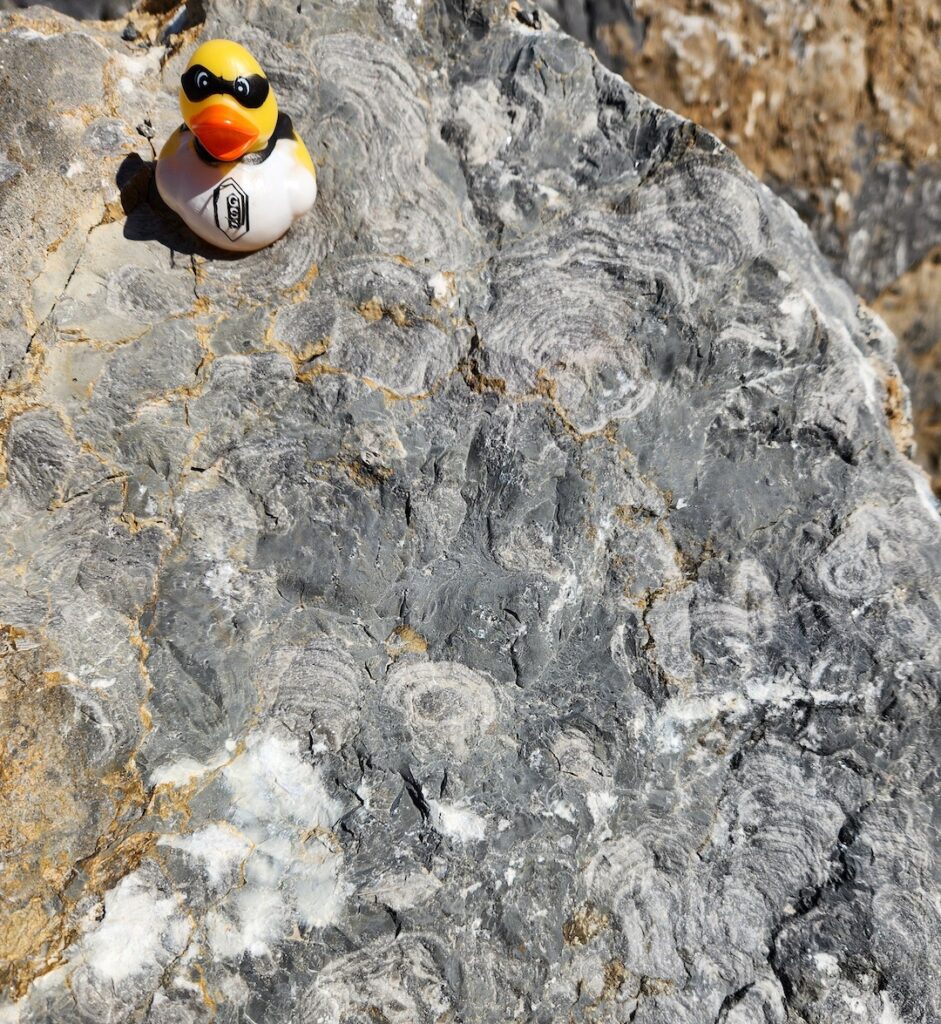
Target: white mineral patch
column 480, row 110
column 184, row 771
column 139, row 67
column 442, row 288
column 827, row 964
column 281, row 815
column 569, row 592
column 253, row 919
column 924, row 494
column 564, row 810
column 132, row 935
column 889, row 1015
column 854, row 1004
column 270, row 783
column 668, row 621
column 220, row 849
column 457, row 821
column 28, row 33
column 679, row 715
column 600, row 805
column 273, row 847
column 222, row 582
column 405, row 13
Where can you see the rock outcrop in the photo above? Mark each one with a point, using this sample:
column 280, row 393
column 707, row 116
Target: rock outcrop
column 836, row 107
column 504, row 599
column 81, row 8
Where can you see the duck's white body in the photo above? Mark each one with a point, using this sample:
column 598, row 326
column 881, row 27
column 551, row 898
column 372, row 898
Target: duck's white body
column 240, row 206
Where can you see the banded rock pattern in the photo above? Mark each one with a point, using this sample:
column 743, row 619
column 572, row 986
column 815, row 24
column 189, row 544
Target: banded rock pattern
column 502, row 600
column 835, row 107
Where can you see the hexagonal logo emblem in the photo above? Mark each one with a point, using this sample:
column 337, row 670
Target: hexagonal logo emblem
column 230, row 208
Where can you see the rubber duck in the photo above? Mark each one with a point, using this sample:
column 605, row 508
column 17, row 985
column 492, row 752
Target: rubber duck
column 235, row 170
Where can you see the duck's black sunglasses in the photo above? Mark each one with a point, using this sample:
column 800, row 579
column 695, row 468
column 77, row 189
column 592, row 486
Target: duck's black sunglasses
column 200, row 83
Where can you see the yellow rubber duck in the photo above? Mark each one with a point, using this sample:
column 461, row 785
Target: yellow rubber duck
column 235, row 170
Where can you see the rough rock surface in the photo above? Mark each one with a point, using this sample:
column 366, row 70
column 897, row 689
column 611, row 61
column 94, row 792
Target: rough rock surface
column 77, row 8
column 837, row 106
column 912, row 305
column 501, row 600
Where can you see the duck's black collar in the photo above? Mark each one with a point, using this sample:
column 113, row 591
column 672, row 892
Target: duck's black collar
column 283, row 129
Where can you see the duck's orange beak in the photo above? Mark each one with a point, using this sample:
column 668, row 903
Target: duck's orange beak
column 223, row 132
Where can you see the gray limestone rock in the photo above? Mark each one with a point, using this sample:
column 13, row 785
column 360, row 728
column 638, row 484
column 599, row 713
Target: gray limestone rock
column 501, row 600
column 75, row 8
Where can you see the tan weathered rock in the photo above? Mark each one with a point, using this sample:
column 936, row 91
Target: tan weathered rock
column 911, row 306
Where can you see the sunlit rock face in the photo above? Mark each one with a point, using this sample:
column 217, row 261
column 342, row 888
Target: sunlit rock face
column 97, row 9
column 837, row 107
column 503, row 599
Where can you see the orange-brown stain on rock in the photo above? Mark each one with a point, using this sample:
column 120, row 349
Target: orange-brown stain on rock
column 912, row 309
column 787, row 84
column 58, row 818
column 405, row 640
column 584, row 925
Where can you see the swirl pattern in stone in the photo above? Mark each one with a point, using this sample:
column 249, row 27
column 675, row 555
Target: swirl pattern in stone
column 501, row 600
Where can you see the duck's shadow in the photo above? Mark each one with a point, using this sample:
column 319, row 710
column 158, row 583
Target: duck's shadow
column 149, row 219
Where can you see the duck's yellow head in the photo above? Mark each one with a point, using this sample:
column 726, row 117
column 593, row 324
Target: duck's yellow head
column 226, row 100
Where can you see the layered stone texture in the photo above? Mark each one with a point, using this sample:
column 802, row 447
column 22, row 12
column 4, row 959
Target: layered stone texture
column 836, row 107
column 507, row 598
